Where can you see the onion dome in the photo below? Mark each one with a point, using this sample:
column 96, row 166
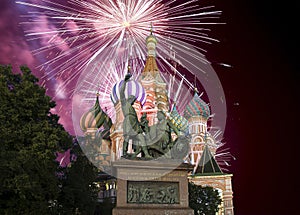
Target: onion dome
column 132, row 88
column 197, row 107
column 151, row 39
column 94, row 118
column 179, row 121
column 151, row 42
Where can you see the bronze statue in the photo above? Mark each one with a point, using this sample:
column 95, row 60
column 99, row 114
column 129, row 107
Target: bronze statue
column 163, row 128
column 144, row 124
column 152, row 141
column 145, row 128
column 131, row 126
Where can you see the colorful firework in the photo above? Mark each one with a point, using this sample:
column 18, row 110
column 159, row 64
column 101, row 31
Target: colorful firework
column 87, row 44
column 223, row 155
column 75, row 32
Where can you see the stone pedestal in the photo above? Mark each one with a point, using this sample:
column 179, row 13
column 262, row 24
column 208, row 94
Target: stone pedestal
column 152, row 188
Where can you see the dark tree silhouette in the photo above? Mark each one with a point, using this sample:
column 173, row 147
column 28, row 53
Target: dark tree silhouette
column 78, row 189
column 204, row 200
column 30, row 135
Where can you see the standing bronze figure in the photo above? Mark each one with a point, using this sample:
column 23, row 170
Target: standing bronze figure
column 131, row 127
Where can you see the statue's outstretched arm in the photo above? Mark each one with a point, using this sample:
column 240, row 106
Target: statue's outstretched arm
column 123, row 87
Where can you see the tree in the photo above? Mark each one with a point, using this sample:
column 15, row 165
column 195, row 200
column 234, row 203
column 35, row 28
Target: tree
column 78, row 190
column 204, row 200
column 29, row 137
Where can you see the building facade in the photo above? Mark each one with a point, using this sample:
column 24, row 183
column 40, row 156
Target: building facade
column 151, row 94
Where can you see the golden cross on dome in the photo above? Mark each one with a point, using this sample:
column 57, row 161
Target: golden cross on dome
column 128, row 67
column 98, row 93
column 151, row 28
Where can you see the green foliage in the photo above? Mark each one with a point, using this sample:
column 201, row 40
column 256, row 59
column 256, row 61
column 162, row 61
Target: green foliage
column 204, row 200
column 78, row 193
column 29, row 137
column 106, row 207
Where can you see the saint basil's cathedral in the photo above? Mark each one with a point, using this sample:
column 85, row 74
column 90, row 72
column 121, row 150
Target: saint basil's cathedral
column 106, row 138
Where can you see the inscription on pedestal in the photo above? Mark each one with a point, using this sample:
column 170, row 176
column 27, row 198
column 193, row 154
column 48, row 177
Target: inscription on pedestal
column 152, row 192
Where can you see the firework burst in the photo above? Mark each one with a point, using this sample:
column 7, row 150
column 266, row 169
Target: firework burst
column 73, row 34
column 89, row 44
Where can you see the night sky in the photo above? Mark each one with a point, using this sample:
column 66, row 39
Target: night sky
column 260, row 41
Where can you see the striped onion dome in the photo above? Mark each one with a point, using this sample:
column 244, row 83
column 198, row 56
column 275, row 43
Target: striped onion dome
column 94, row 118
column 179, row 121
column 197, row 107
column 132, row 88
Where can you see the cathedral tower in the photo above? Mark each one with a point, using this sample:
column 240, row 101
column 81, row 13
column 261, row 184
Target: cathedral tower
column 151, row 80
column 197, row 112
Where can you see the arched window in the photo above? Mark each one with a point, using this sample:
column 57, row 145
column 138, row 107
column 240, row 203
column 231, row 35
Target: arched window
column 198, row 140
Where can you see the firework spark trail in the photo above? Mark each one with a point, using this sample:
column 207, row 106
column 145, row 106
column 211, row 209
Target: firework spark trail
column 101, row 25
column 111, row 32
column 224, row 157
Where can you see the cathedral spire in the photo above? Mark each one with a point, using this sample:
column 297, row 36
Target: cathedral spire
column 207, row 163
column 151, row 28
column 153, row 82
column 128, row 67
column 151, row 65
column 151, row 42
